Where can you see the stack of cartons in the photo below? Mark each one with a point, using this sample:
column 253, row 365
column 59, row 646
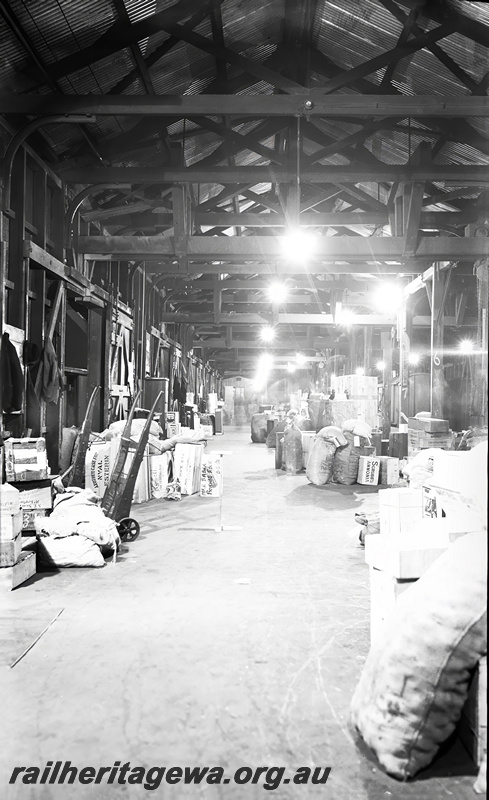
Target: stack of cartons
column 158, row 472
column 428, row 432
column 405, row 547
column 389, row 471
column 25, row 460
column 187, row 466
column 364, row 390
column 15, row 566
column 35, row 498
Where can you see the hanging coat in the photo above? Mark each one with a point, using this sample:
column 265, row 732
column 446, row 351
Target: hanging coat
column 50, row 373
column 12, row 377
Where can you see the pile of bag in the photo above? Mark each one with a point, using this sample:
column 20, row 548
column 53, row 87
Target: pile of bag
column 77, row 533
column 336, row 452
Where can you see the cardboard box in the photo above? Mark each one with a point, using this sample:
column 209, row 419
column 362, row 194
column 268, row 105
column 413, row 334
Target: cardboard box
column 10, row 551
column 421, row 440
column 10, row 526
column 187, row 464
column 25, row 459
column 429, row 424
column 9, row 499
column 389, row 470
column 158, row 475
column 22, row 570
column 35, row 494
column 384, row 592
column 408, row 558
column 29, row 516
column 368, row 471
column 401, row 510
column 472, row 728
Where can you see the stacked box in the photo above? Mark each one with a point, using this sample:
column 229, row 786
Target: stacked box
column 26, row 459
column 24, row 568
column 384, row 592
column 401, row 510
column 429, row 425
column 35, row 500
column 368, row 471
column 187, row 466
column 10, row 526
column 158, row 472
column 409, row 557
column 389, row 470
column 422, row 440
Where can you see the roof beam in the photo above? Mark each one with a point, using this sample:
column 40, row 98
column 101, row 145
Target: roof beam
column 459, row 173
column 332, row 248
column 283, row 319
column 259, row 106
column 119, row 36
column 410, row 26
column 390, row 56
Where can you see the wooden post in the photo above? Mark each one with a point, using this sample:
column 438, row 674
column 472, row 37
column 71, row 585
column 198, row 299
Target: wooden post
column 387, row 383
column 439, row 289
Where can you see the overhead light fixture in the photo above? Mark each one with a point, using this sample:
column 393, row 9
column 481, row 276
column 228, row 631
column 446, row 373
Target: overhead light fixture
column 359, row 371
column 345, row 317
column 466, row 346
column 291, row 367
column 414, row 359
column 299, row 245
column 388, row 297
column 277, row 292
column 380, row 365
column 300, row 359
column 267, row 334
column 265, row 362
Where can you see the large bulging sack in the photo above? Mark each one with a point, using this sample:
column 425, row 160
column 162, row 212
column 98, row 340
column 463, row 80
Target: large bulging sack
column 416, row 677
column 320, row 461
column 293, row 450
column 259, row 428
column 346, row 460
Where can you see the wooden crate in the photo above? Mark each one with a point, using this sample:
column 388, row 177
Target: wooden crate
column 472, row 727
column 24, row 568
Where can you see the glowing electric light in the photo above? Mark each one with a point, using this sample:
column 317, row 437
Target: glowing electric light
column 380, row 365
column 359, row 371
column 299, row 245
column 388, row 297
column 466, row 346
column 267, row 334
column 277, row 292
column 346, row 317
column 291, row 367
column 300, row 359
column 265, row 362
column 414, row 359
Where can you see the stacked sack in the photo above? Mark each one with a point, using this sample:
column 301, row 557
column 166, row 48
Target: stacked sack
column 321, row 458
column 335, row 453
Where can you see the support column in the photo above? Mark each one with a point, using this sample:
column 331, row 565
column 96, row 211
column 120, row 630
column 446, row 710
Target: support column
column 439, row 289
column 386, row 338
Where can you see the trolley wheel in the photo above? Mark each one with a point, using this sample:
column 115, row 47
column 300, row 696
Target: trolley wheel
column 128, row 529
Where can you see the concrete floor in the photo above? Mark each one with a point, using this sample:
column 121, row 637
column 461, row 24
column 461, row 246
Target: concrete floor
column 196, row 648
